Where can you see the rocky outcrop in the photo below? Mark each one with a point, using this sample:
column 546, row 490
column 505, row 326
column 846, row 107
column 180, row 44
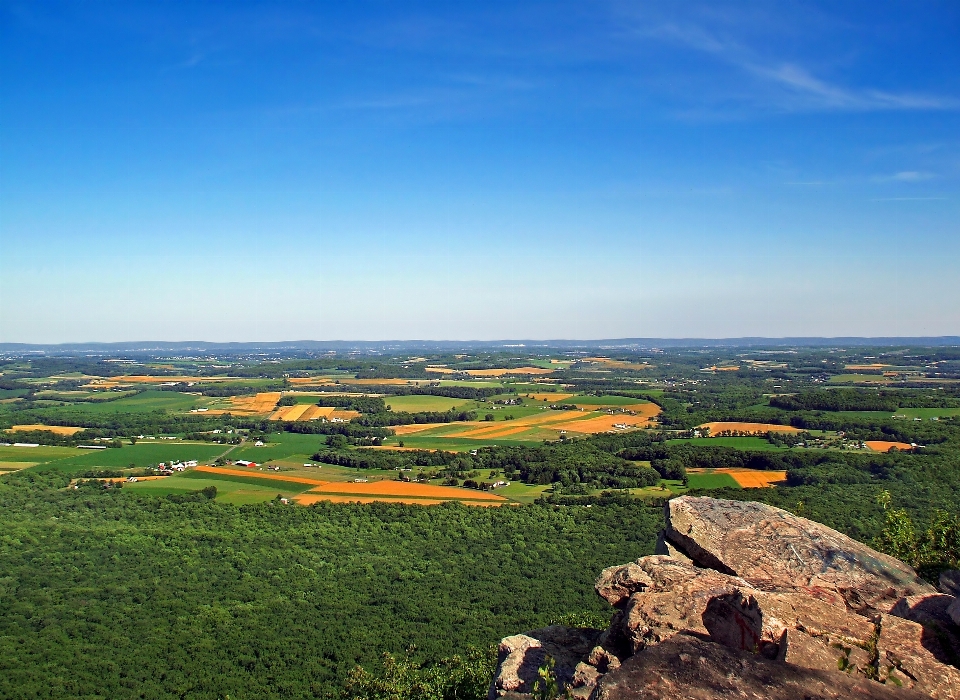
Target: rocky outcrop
column 751, row 600
column 772, row 548
column 686, row 667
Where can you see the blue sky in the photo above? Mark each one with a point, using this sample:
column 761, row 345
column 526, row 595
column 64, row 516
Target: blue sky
column 375, row 170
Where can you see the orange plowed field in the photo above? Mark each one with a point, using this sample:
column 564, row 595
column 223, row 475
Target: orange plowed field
column 754, row 479
column 492, row 372
column 600, row 424
column 884, row 446
column 306, row 499
column 617, row 364
column 56, row 429
column 262, row 475
column 755, row 428
column 643, row 410
column 150, row 379
column 378, row 382
column 481, row 429
column 404, row 488
column 310, row 380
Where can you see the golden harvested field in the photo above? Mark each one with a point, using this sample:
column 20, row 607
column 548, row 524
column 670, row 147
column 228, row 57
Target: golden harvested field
column 310, row 380
column 573, row 421
column 317, row 412
column 306, row 499
column 379, row 382
column 261, row 475
column 150, row 379
column 885, row 446
column 290, row 413
column 249, row 405
column 415, row 428
column 721, row 369
column 752, row 428
column 617, row 364
column 7, row 467
column 406, row 489
column 492, row 372
column 555, row 397
column 600, row 424
column 56, row 429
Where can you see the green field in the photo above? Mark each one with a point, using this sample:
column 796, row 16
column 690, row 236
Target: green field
column 432, row 442
column 236, row 492
column 253, row 480
column 150, row 400
column 143, row 454
column 604, row 400
column 741, row 443
column 711, row 481
column 280, row 446
column 477, row 384
column 418, row 403
column 41, row 454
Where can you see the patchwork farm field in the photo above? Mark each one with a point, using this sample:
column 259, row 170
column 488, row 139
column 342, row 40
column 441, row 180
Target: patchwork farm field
column 55, row 429
column 532, row 424
column 417, row 404
column 717, row 428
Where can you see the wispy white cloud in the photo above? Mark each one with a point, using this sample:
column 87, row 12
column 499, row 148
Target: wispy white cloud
column 906, row 176
column 909, row 199
column 789, row 85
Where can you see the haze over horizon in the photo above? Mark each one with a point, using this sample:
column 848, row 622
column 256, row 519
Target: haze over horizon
column 259, row 171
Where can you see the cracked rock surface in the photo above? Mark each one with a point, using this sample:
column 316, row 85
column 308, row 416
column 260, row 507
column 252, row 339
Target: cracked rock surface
column 750, row 601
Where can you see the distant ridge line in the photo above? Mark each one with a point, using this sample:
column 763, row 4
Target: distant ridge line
column 153, row 346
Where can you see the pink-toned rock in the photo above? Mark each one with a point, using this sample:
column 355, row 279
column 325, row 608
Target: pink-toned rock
column 674, row 600
column 689, row 668
column 774, row 549
column 950, row 582
column 953, row 611
column 522, row 655
column 925, row 609
column 913, row 656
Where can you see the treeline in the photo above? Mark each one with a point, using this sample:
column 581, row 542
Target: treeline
column 351, row 430
column 857, row 428
column 361, row 404
column 403, row 418
column 221, row 390
column 837, row 400
column 376, row 459
column 578, row 462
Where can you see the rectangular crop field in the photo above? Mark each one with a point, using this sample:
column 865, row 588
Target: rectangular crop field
column 143, row 454
column 421, row 403
column 711, row 481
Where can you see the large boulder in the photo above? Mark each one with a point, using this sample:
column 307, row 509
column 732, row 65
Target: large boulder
column 950, row 582
column 953, row 611
column 522, row 655
column 773, row 549
column 912, row 655
column 767, row 605
column 686, row 667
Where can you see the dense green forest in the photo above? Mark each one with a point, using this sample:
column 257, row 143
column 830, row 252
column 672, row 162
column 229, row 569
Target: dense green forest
column 109, row 594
